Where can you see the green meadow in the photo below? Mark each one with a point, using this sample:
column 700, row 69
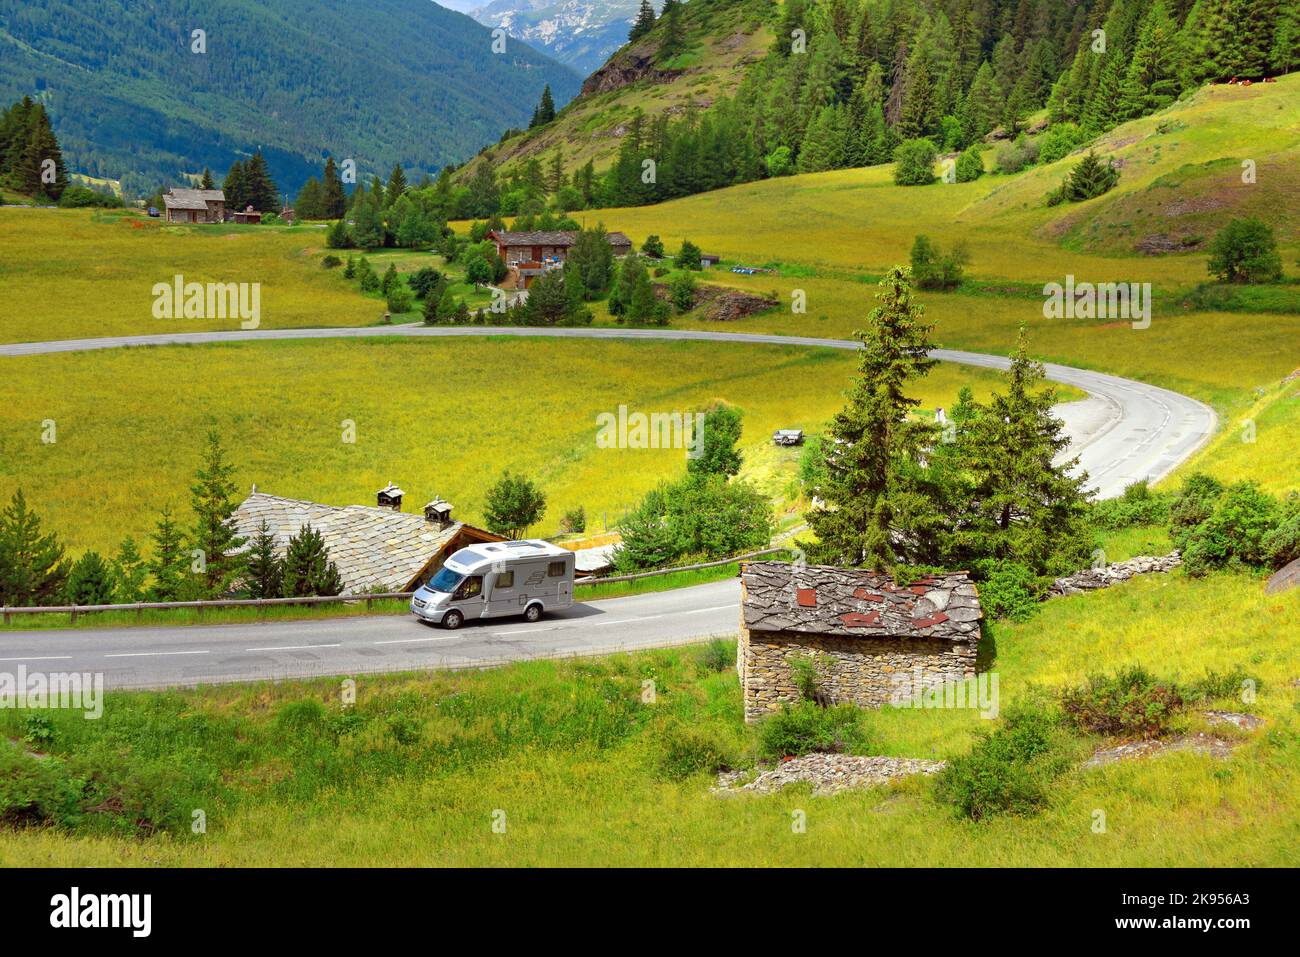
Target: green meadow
column 437, row 416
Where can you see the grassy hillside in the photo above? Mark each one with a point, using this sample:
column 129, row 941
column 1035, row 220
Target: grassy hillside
column 135, row 414
column 400, row 80
column 721, row 39
column 571, row 755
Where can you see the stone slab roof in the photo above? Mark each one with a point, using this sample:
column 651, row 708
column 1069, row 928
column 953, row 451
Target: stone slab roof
column 534, row 239
column 192, row 198
column 376, row 549
column 618, row 239
column 822, row 600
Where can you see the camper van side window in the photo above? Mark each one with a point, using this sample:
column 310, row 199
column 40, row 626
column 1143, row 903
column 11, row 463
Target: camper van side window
column 469, row 587
column 505, row 580
column 555, row 570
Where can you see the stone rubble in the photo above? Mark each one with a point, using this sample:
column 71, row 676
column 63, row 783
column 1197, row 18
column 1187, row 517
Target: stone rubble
column 828, row 773
column 1113, row 574
column 1199, row 743
column 1246, row 722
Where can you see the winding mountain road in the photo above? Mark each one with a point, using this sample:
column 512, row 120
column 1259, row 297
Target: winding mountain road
column 1122, row 432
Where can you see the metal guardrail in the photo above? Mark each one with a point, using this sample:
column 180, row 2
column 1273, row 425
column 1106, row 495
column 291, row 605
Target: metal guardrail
column 140, row 607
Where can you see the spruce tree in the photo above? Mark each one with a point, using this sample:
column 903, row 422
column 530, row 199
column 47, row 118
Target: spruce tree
column 308, row 570
column 214, row 530
column 90, row 582
column 263, row 571
column 259, row 187
column 169, row 565
column 396, row 185
column 333, row 200
column 129, row 571
column 871, row 489
column 1021, row 504
column 206, row 181
column 644, row 23
column 1151, row 82
column 33, row 570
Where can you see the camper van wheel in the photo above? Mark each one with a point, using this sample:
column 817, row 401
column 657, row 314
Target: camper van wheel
column 533, row 613
column 453, row 619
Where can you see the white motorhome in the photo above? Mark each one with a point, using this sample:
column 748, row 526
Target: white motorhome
column 495, row 579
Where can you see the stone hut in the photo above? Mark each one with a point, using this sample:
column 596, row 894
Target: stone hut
column 872, row 641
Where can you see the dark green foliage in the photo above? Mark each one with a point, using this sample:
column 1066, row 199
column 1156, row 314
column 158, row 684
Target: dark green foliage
column 1139, row 505
column 31, row 160
column 1008, row 589
column 129, row 571
column 1011, row 769
column 307, row 567
column 1017, row 155
column 545, row 111
column 262, row 569
column 32, row 567
column 716, row 445
column 914, row 162
column 1088, row 180
column 330, row 262
column 339, row 236
column 689, row 750
column 689, row 256
column 127, row 85
column 682, row 290
column 871, row 484
column 91, row 581
column 644, row 23
column 592, row 257
column 653, row 247
column 1281, row 544
column 970, row 165
column 170, row 564
column 1233, row 535
column 1130, row 703
column 513, row 504
column 806, row 727
column 933, row 270
column 1245, row 251
column 424, row 281
column 699, row 517
column 213, row 533
column 82, row 197
column 1193, row 504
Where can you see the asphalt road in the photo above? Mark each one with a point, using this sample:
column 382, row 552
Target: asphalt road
column 1124, row 431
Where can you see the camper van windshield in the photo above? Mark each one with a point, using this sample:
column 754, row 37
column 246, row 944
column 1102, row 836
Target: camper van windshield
column 446, row 580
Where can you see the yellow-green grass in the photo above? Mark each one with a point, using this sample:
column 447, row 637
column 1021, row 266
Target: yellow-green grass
column 438, row 416
column 71, row 274
column 1261, row 443
column 525, row 740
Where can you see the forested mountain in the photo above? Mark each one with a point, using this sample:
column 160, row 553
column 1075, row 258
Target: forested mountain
column 388, row 81
column 581, row 33
column 845, row 82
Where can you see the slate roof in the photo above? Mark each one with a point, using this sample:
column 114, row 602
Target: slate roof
column 534, row 239
column 192, row 198
column 376, row 549
column 618, row 239
column 822, row 600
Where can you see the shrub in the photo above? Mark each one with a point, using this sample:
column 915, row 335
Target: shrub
column 1234, row 533
column 338, row 236
column 970, row 165
column 682, row 289
column 1282, row 545
column 80, row 197
column 779, row 162
column 1010, row 769
column 717, row 655
column 933, row 270
column 690, row 750
column 689, row 256
column 1245, row 251
column 35, row 790
column 399, row 300
column 1088, row 180
column 1008, row 589
column 1059, row 141
column 38, row 730
column 574, row 520
column 1192, row 505
column 1130, row 702
column 331, row 262
column 424, row 281
column 807, row 727
column 1015, row 156
column 653, row 247
column 1137, row 506
column 914, row 162
column 1221, row 685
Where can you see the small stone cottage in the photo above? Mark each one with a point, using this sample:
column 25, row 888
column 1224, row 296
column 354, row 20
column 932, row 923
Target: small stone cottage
column 871, row 641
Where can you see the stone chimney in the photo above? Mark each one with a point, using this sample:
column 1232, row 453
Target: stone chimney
column 438, row 513
column 390, row 496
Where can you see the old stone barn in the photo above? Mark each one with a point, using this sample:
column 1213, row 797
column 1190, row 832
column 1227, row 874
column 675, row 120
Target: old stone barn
column 870, row 640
